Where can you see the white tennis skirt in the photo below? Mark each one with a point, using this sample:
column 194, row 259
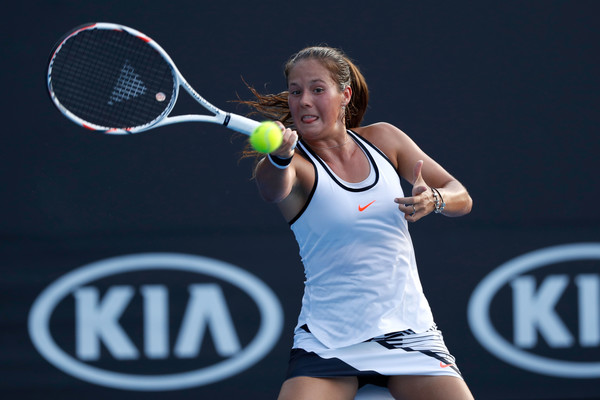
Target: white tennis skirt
column 375, row 360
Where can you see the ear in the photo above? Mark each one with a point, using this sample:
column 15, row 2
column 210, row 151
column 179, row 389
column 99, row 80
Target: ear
column 346, row 95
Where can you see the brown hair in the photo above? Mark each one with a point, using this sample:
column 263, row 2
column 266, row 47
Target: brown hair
column 343, row 71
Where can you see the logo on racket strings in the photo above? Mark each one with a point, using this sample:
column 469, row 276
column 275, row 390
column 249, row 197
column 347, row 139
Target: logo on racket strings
column 129, row 85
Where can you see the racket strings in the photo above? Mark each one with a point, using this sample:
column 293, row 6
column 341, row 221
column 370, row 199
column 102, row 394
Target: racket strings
column 112, row 79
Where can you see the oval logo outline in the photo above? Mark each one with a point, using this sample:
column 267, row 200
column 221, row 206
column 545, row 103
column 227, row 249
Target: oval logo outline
column 269, row 331
column 484, row 332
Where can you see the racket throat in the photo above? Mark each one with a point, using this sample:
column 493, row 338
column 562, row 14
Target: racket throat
column 240, row 124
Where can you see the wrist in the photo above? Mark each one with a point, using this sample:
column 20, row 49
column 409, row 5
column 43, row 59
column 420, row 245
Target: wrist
column 279, row 162
column 438, row 201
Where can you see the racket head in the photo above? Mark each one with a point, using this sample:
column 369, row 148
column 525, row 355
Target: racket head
column 111, row 78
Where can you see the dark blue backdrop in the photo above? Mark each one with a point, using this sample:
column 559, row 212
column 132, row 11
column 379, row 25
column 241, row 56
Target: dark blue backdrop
column 503, row 94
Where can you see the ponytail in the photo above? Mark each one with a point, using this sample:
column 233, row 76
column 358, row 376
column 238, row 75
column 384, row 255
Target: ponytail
column 357, row 107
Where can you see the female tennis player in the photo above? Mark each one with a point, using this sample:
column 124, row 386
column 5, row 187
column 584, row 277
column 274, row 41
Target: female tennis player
column 364, row 317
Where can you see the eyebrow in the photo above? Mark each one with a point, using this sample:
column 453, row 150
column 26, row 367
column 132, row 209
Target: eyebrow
column 318, row 80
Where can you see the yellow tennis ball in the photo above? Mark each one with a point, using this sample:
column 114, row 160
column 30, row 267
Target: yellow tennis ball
column 266, row 138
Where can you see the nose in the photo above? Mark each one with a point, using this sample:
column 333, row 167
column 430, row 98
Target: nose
column 305, row 100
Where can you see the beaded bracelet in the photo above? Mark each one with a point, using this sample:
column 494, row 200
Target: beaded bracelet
column 438, row 201
column 281, row 163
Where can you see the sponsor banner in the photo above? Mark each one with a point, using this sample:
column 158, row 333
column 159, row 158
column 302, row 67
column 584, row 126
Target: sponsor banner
column 552, row 298
column 144, row 310
column 144, row 325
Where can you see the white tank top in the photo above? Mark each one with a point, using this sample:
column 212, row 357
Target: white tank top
column 361, row 273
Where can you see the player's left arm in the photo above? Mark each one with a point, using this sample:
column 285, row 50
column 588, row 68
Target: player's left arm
column 431, row 182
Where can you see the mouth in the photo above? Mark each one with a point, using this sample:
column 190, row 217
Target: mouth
column 307, row 119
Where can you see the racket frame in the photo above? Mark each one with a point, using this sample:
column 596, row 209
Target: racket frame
column 232, row 121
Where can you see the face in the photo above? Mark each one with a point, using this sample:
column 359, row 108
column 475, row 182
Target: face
column 315, row 100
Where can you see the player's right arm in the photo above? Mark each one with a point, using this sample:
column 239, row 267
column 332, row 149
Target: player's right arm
column 289, row 187
column 275, row 183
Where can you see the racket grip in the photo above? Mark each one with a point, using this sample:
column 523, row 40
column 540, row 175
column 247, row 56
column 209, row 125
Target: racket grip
column 241, row 124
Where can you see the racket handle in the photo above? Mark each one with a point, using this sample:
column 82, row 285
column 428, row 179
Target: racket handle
column 240, row 124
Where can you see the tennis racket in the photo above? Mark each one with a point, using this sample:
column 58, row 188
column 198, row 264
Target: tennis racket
column 113, row 79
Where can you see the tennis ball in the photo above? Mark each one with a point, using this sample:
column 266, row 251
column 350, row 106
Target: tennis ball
column 266, row 138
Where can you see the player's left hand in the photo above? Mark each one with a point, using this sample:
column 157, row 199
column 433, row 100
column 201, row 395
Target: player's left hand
column 421, row 203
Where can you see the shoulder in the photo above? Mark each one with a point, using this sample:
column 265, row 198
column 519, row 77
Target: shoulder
column 382, row 133
column 386, row 137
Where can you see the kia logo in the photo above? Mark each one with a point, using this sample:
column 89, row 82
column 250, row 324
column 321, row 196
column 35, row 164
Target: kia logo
column 543, row 303
column 99, row 317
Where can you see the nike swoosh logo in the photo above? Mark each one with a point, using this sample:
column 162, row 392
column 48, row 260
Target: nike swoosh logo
column 361, row 209
column 445, row 365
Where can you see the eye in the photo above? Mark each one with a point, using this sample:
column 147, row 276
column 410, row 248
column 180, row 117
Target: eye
column 295, row 92
column 319, row 90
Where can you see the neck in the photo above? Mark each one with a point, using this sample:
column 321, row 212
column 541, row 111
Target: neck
column 346, row 140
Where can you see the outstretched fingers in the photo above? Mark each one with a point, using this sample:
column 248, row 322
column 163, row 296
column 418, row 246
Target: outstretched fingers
column 408, row 206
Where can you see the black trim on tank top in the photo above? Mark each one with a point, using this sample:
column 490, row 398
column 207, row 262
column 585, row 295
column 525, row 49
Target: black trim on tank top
column 312, row 191
column 332, row 175
column 381, row 153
